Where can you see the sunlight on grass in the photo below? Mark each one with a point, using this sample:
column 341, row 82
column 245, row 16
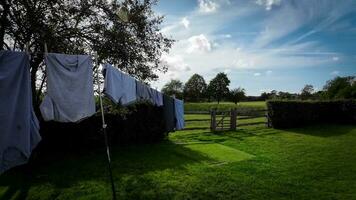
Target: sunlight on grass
column 220, row 153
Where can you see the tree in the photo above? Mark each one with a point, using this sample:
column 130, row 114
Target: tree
column 174, row 87
column 307, row 92
column 341, row 88
column 284, row 95
column 194, row 88
column 123, row 33
column 269, row 95
column 264, row 96
column 236, row 95
column 218, row 87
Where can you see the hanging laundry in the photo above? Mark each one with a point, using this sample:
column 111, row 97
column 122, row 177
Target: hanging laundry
column 143, row 92
column 179, row 114
column 168, row 113
column 19, row 127
column 119, row 87
column 157, row 97
column 70, row 93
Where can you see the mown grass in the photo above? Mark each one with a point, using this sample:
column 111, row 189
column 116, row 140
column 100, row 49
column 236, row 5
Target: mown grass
column 254, row 162
column 223, row 106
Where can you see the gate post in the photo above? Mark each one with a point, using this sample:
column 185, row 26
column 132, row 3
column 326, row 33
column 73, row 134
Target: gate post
column 213, row 119
column 233, row 117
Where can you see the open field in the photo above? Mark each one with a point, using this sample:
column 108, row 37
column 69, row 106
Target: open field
column 189, row 107
column 254, row 162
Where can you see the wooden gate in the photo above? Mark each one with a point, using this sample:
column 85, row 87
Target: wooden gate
column 223, row 120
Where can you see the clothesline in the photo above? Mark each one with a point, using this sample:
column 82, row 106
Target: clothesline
column 69, row 98
column 94, row 56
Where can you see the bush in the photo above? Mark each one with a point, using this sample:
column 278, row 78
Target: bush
column 288, row 114
column 138, row 123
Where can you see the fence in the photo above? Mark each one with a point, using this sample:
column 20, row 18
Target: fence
column 225, row 120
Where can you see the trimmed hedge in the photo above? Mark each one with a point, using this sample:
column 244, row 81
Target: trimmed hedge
column 138, row 123
column 288, row 114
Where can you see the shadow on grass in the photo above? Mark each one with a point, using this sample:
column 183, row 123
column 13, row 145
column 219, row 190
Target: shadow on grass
column 69, row 170
column 221, row 136
column 322, row 130
column 17, row 185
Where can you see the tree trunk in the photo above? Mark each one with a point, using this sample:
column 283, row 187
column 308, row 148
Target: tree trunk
column 34, row 68
column 4, row 23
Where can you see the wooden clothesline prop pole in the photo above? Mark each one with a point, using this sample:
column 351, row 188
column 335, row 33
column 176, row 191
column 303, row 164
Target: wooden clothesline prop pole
column 104, row 125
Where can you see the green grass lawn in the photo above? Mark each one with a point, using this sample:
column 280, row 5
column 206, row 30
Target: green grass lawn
column 254, row 162
column 223, row 106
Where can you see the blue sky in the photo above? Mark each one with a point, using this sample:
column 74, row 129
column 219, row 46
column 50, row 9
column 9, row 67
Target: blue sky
column 261, row 44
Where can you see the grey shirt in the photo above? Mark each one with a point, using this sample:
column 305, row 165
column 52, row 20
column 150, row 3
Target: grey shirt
column 19, row 127
column 70, row 93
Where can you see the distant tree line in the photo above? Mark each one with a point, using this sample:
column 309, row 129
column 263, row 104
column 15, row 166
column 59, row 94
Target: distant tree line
column 337, row 88
column 197, row 90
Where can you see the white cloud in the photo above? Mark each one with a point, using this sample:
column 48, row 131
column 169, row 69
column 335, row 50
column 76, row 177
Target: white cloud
column 227, row 71
column 269, row 45
column 242, row 62
column 265, row 90
column 185, row 22
column 175, row 63
column 335, row 58
column 269, row 72
column 199, row 43
column 207, row 6
column 297, row 15
column 335, row 73
column 257, row 74
column 268, row 4
column 227, row 36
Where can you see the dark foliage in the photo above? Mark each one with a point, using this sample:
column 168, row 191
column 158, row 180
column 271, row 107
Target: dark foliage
column 142, row 123
column 288, row 114
column 123, row 33
column 195, row 88
column 341, row 88
column 218, row 87
column 173, row 87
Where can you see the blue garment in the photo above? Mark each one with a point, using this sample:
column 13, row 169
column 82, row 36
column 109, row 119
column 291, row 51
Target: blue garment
column 156, row 97
column 179, row 113
column 143, row 92
column 119, row 87
column 19, row 127
column 169, row 113
column 70, row 92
